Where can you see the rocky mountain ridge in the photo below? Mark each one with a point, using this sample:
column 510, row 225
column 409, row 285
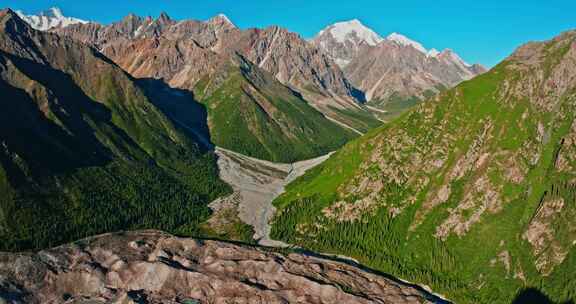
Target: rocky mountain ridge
column 344, row 65
column 154, row 267
column 209, row 59
column 284, row 54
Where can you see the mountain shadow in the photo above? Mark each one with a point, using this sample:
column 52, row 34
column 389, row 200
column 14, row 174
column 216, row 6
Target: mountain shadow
column 57, row 149
column 535, row 296
column 181, row 107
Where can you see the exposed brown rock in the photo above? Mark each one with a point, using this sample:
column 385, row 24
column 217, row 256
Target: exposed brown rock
column 154, row 267
column 547, row 248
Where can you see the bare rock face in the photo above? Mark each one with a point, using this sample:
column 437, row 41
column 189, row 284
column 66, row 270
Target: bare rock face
column 154, row 267
column 294, row 61
column 391, row 70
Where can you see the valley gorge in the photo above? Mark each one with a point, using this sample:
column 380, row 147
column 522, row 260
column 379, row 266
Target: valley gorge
column 156, row 160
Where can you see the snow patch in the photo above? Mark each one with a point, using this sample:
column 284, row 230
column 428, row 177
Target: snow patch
column 51, row 18
column 342, row 62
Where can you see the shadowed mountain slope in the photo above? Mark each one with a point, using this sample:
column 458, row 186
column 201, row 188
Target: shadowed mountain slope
column 83, row 150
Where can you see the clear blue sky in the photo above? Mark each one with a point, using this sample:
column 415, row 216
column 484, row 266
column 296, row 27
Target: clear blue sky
column 484, row 31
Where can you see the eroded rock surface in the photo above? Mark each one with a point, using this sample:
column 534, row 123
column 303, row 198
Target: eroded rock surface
column 154, row 267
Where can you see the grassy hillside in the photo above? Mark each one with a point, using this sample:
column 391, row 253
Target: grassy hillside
column 251, row 113
column 471, row 193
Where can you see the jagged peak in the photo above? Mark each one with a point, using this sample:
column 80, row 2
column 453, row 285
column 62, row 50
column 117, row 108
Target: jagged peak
column 450, row 55
column 132, row 16
column 433, row 53
column 7, row 15
column 222, row 19
column 164, row 17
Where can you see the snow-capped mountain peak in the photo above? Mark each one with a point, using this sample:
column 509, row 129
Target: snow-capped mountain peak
column 353, row 29
column 405, row 41
column 48, row 19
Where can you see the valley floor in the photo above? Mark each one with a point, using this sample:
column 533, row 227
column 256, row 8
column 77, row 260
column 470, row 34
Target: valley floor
column 256, row 183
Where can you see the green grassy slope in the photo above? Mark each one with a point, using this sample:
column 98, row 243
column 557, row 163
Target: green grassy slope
column 251, row 113
column 471, row 193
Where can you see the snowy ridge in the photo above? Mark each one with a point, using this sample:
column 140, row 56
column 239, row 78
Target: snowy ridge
column 353, row 29
column 405, row 41
column 46, row 20
column 356, row 33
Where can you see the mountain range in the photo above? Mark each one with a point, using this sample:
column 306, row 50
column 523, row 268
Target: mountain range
column 393, row 72
column 338, row 71
column 268, row 69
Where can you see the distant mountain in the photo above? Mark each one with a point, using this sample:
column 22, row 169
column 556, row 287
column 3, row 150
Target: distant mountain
column 49, row 19
column 343, row 40
column 84, row 149
column 190, row 55
column 393, row 72
column 292, row 60
column 472, row 193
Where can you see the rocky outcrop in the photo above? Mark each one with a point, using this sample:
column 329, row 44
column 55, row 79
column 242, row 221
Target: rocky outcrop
column 154, row 267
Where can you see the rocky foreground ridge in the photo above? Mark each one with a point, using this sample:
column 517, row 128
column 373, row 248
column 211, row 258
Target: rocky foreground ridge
column 154, row 267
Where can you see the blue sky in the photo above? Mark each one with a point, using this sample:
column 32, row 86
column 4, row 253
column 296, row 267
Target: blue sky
column 483, row 31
